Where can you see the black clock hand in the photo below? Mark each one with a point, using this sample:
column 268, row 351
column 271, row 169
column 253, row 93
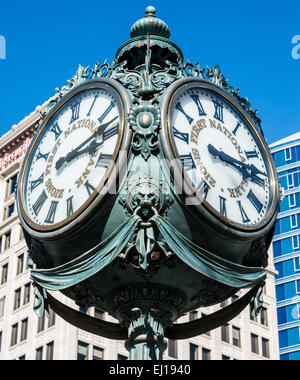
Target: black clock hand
column 243, row 168
column 77, row 152
column 248, row 171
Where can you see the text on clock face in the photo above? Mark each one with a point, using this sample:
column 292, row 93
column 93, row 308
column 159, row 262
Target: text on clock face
column 221, row 155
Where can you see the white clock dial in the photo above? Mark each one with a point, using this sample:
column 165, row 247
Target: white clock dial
column 71, row 156
column 222, row 155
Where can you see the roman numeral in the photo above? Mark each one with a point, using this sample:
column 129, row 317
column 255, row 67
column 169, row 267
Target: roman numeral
column 223, row 210
column 51, row 213
column 70, row 209
column 203, row 188
column 111, row 132
column 187, row 162
column 243, row 213
column 251, row 154
column 37, row 182
column 104, row 160
column 56, row 130
column 92, row 106
column 196, row 99
column 236, row 128
column 218, row 112
column 90, row 189
column 253, row 199
column 75, row 112
column 42, row 156
column 106, row 112
column 259, row 181
column 181, row 136
column 179, row 108
column 39, row 203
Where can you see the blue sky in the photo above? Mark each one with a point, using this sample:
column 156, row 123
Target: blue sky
column 250, row 40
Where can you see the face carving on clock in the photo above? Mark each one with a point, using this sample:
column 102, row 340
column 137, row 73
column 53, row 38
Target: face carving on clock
column 71, row 155
column 221, row 155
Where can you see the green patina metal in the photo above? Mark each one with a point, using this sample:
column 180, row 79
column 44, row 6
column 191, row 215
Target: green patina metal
column 144, row 234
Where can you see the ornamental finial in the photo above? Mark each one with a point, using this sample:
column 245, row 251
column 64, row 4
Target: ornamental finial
column 150, row 24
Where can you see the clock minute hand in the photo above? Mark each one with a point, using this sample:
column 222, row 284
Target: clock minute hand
column 243, row 168
column 248, row 171
column 77, row 152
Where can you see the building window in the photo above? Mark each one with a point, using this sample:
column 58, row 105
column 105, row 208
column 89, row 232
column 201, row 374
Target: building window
column 0, row 340
column 51, row 320
column 39, row 353
column 98, row 353
column 99, row 314
column 26, row 294
column 264, row 316
column 41, row 324
column 14, row 335
column 265, row 348
column 9, row 210
column 288, row 154
column 225, row 333
column 296, row 244
column 12, row 185
column 290, row 181
column 205, row 354
column 2, row 307
column 20, row 264
column 4, row 274
column 7, row 240
column 292, row 200
column 225, row 357
column 297, row 263
column 122, row 357
column 24, row 329
column 298, row 286
column 294, row 221
column 17, row 303
column 193, row 315
column 82, row 351
column 172, row 348
column 236, row 336
column 254, row 344
column 193, row 352
column 50, row 351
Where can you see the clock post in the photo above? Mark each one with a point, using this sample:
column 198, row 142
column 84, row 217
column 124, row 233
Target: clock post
column 147, row 192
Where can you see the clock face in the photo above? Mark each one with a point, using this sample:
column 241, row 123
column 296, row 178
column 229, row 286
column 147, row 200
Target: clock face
column 222, row 155
column 71, row 156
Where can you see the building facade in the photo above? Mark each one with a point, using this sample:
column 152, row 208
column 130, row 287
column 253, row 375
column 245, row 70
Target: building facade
column 286, row 246
column 24, row 336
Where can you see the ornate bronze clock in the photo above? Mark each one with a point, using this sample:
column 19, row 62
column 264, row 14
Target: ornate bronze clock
column 73, row 154
column 186, row 224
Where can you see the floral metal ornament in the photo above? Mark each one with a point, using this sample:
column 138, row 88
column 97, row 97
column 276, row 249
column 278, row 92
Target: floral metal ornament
column 145, row 121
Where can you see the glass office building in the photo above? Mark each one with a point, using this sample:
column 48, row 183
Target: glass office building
column 286, row 246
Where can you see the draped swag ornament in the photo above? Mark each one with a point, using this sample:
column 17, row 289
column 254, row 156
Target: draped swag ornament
column 102, row 255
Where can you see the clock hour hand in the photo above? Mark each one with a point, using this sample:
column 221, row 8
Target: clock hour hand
column 248, row 171
column 243, row 168
column 77, row 152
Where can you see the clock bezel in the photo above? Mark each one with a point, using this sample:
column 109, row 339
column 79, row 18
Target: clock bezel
column 97, row 196
column 170, row 151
